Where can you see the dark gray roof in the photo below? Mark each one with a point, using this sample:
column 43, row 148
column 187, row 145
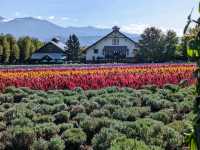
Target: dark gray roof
column 39, row 56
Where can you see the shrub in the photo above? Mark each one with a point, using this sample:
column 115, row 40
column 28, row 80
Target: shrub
column 2, row 126
column 90, row 106
column 59, row 107
column 42, row 119
column 74, row 110
column 40, row 144
column 158, row 104
column 91, row 126
column 173, row 88
column 62, row 117
column 65, row 126
column 46, row 130
column 22, row 122
column 131, row 113
column 100, row 113
column 56, row 143
column 161, row 116
column 171, row 138
column 128, row 144
column 22, row 138
column 103, row 139
column 147, row 130
column 80, row 117
column 74, row 138
column 43, row 109
column 181, row 127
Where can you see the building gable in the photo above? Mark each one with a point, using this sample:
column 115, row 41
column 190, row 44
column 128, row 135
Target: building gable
column 114, row 34
column 50, row 48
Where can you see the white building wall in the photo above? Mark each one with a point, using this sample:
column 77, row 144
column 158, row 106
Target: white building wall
column 123, row 41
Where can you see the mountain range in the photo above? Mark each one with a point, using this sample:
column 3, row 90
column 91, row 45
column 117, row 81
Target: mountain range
column 45, row 30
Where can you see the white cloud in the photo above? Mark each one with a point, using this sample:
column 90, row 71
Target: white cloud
column 134, row 28
column 17, row 14
column 65, row 18
column 39, row 17
column 139, row 28
column 51, row 17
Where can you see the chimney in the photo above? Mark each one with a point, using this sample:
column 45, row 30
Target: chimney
column 116, row 28
column 55, row 39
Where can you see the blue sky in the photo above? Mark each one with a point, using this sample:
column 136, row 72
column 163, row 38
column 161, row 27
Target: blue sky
column 131, row 15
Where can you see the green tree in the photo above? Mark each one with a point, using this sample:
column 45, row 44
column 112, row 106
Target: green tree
column 25, row 48
column 6, row 50
column 171, row 41
column 73, row 48
column 151, row 46
column 14, row 49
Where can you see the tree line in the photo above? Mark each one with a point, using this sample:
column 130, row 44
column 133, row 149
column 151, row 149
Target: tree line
column 157, row 46
column 15, row 51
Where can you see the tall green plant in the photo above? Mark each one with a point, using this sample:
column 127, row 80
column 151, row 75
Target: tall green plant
column 193, row 50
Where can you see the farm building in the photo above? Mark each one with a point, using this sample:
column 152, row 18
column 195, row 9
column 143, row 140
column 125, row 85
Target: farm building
column 114, row 47
column 52, row 52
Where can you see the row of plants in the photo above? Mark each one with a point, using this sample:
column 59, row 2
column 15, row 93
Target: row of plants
column 112, row 118
column 96, row 77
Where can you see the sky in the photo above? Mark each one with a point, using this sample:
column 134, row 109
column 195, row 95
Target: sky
column 132, row 16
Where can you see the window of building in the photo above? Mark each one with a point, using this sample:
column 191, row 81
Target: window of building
column 115, row 41
column 96, row 51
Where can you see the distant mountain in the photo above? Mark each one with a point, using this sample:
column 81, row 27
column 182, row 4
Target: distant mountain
column 45, row 30
column 1, row 18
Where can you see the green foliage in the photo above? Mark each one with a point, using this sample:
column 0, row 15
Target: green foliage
column 56, row 143
column 40, row 144
column 74, row 138
column 62, row 117
column 155, row 46
column 46, row 130
column 73, row 48
column 128, row 144
column 104, row 139
column 22, row 138
column 151, row 117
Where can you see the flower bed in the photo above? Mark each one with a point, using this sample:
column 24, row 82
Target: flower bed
column 95, row 77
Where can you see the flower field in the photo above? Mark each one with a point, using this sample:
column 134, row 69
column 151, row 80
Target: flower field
column 95, row 77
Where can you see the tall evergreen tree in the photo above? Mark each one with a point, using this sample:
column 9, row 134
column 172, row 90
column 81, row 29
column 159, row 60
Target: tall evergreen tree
column 73, row 48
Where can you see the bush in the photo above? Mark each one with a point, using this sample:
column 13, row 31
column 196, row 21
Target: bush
column 22, row 138
column 22, row 122
column 74, row 110
column 65, row 126
column 173, row 88
column 43, row 109
column 40, row 144
column 2, row 126
column 74, row 138
column 62, row 117
column 128, row 144
column 91, row 126
column 181, row 127
column 161, row 116
column 56, row 143
column 42, row 119
column 46, row 130
column 100, row 113
column 131, row 113
column 103, row 139
column 59, row 107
